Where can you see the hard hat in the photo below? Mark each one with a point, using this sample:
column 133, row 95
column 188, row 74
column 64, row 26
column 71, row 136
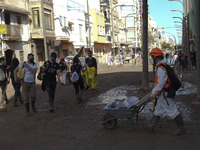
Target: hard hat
column 156, row 52
column 62, row 57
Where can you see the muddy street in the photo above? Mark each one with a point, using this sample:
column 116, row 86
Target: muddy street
column 74, row 126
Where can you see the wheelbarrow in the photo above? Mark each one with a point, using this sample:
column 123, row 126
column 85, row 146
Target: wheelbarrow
column 110, row 118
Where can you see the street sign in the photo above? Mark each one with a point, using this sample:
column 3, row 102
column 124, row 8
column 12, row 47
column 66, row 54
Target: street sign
column 3, row 29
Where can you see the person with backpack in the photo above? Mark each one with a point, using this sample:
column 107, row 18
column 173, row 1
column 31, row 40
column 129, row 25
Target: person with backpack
column 28, row 82
column 3, row 80
column 166, row 85
column 51, row 69
column 77, row 79
column 64, row 66
column 16, row 85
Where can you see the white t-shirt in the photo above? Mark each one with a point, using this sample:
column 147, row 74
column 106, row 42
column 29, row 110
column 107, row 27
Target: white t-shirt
column 29, row 76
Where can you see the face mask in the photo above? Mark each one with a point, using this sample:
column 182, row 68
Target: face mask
column 53, row 60
column 152, row 61
column 31, row 60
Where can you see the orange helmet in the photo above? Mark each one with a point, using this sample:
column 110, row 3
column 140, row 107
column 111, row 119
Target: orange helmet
column 62, row 57
column 156, row 52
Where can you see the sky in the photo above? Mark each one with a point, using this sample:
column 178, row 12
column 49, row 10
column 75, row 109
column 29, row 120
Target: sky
column 161, row 12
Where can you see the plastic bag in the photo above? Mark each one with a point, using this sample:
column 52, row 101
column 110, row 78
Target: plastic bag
column 130, row 101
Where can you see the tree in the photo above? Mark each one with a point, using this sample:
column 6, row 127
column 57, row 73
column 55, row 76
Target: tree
column 167, row 46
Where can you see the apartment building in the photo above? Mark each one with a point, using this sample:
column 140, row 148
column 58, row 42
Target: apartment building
column 16, row 41
column 41, row 15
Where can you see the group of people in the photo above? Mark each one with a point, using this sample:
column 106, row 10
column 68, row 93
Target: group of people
column 53, row 73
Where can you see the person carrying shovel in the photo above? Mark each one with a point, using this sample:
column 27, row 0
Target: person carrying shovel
column 165, row 91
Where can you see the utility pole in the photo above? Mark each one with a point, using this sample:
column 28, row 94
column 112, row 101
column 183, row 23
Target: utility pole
column 44, row 31
column 145, row 45
column 197, row 23
column 88, row 15
column 188, row 38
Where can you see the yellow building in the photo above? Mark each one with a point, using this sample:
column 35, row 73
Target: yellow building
column 40, row 14
column 101, row 46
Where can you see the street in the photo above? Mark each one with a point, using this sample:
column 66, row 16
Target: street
column 74, row 126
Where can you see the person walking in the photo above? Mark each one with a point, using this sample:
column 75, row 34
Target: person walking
column 16, row 85
column 91, row 64
column 28, row 83
column 109, row 60
column 64, row 66
column 165, row 94
column 78, row 85
column 3, row 80
column 51, row 68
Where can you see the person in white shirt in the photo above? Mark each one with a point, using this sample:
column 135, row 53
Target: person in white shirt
column 28, row 83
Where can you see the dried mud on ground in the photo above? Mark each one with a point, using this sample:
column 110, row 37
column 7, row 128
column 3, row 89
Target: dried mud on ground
column 78, row 127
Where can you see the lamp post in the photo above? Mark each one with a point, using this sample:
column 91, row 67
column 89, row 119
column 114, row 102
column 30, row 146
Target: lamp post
column 174, row 38
column 113, row 24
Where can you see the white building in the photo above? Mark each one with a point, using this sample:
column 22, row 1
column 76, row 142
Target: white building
column 131, row 17
column 17, row 40
column 71, row 26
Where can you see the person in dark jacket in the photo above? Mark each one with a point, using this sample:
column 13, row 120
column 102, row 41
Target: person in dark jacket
column 16, row 85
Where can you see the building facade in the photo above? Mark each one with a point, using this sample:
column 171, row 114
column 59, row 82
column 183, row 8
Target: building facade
column 41, row 15
column 17, row 39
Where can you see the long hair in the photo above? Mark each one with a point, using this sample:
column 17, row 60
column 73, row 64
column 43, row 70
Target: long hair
column 75, row 60
column 15, row 62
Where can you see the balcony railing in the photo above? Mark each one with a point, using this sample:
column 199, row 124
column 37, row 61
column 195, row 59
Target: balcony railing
column 107, row 20
column 14, row 32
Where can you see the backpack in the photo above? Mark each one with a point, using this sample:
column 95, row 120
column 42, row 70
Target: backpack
column 175, row 82
column 21, row 73
column 2, row 75
column 41, row 74
column 75, row 76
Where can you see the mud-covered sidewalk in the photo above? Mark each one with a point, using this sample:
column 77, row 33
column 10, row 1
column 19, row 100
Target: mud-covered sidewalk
column 78, row 127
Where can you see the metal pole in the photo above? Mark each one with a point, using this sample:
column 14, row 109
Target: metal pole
column 135, row 33
column 88, row 14
column 112, row 31
column 145, row 45
column 126, row 33
column 197, row 23
column 44, row 31
column 188, row 39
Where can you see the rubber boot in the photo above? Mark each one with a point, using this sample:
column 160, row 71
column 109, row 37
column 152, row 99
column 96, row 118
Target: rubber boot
column 20, row 99
column 77, row 98
column 15, row 102
column 180, row 125
column 153, row 123
column 27, row 109
column 81, row 95
column 33, row 107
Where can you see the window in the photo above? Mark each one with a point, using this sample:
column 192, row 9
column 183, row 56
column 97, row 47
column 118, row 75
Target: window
column 61, row 22
column 36, row 18
column 98, row 29
column 64, row 19
column 47, row 19
column 21, row 56
column 7, row 18
column 101, row 31
column 19, row 21
column 81, row 32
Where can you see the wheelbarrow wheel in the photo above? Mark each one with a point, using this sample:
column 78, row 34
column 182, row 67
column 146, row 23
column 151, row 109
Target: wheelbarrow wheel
column 110, row 124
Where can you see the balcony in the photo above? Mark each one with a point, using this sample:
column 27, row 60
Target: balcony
column 107, row 22
column 108, row 38
column 14, row 32
column 105, row 3
column 115, row 14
